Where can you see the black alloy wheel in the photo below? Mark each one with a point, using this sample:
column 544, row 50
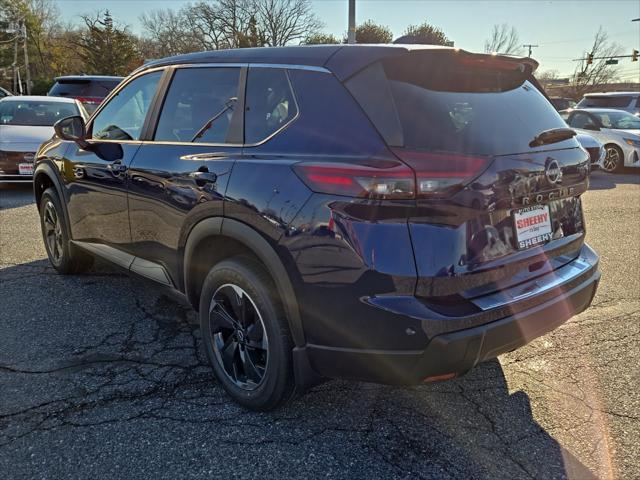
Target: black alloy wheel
column 63, row 255
column 246, row 335
column 240, row 340
column 52, row 231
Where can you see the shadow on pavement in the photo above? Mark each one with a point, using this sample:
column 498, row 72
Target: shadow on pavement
column 600, row 180
column 86, row 358
column 13, row 195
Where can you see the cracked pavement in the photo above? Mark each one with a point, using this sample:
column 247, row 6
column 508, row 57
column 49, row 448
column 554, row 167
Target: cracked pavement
column 103, row 376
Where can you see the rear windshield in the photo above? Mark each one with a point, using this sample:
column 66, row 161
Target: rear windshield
column 83, row 88
column 433, row 102
column 41, row 114
column 605, row 101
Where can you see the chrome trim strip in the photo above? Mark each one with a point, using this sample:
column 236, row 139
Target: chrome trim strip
column 535, row 287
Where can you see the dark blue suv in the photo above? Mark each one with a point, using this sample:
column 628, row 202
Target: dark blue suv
column 392, row 214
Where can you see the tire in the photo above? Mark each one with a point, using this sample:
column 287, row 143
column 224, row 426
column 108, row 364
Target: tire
column 613, row 160
column 63, row 256
column 246, row 335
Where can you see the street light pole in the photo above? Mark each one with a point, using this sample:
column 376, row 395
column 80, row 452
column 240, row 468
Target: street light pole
column 351, row 35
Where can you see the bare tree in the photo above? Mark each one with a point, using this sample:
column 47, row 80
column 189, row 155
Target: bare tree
column 589, row 76
column 285, row 21
column 503, row 39
column 167, row 32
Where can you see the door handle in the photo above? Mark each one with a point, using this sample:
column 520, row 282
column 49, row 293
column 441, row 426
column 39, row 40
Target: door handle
column 117, row 167
column 202, row 178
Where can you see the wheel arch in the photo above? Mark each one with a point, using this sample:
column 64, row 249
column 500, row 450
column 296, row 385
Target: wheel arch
column 45, row 177
column 238, row 237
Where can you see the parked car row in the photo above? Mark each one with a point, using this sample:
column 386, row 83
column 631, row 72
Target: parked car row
column 617, row 130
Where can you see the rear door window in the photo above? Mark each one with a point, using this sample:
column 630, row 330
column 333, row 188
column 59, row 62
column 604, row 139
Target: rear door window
column 270, row 103
column 433, row 102
column 199, row 105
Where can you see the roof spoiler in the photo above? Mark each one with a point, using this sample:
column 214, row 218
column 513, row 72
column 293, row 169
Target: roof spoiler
column 345, row 66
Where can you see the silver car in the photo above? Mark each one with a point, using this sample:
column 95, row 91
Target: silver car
column 617, row 130
column 25, row 123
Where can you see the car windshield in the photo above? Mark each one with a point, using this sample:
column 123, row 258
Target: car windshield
column 622, row 120
column 35, row 113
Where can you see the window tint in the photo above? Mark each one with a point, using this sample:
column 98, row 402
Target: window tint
column 122, row 118
column 199, row 105
column 35, row 113
column 580, row 120
column 270, row 103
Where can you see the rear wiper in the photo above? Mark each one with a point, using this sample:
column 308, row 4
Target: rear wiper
column 552, row 136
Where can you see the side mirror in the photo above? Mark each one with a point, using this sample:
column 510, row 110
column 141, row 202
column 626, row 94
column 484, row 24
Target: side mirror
column 591, row 126
column 72, row 129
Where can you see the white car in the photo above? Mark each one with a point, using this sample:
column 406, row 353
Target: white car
column 25, row 123
column 617, row 130
column 627, row 101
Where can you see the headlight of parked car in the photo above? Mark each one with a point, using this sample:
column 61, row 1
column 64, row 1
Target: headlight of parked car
column 632, row 142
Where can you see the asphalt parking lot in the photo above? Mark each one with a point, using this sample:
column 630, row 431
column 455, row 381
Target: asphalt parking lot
column 103, row 377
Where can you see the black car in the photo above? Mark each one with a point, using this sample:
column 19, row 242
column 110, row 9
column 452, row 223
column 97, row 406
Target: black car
column 90, row 90
column 391, row 214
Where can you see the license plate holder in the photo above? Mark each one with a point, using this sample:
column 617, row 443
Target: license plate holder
column 532, row 226
column 25, row 168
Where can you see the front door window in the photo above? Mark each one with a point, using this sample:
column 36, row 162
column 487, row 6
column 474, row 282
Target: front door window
column 123, row 117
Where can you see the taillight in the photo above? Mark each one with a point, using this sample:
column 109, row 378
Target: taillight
column 427, row 175
column 389, row 180
column 440, row 174
column 90, row 100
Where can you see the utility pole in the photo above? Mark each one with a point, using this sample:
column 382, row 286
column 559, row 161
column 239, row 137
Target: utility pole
column 15, row 65
column 26, row 58
column 351, row 35
column 530, row 47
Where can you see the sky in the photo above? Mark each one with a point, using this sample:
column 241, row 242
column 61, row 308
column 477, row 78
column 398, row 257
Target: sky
column 563, row 29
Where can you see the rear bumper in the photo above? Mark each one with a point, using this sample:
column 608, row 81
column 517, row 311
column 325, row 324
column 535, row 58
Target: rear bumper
column 9, row 178
column 456, row 352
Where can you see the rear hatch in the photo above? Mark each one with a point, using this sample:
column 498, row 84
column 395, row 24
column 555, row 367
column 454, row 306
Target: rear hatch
column 89, row 91
column 498, row 174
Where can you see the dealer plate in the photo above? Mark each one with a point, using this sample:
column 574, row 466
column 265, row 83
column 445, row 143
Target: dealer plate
column 532, row 226
column 25, row 168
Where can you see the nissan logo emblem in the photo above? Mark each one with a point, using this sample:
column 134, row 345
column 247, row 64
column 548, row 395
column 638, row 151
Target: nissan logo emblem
column 28, row 157
column 553, row 172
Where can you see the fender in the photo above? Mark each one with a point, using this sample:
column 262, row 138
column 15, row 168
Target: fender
column 262, row 249
column 45, row 168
